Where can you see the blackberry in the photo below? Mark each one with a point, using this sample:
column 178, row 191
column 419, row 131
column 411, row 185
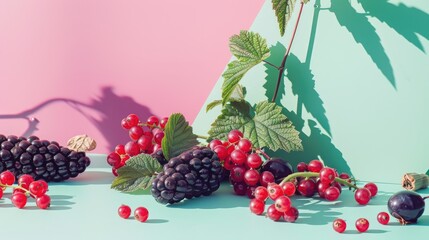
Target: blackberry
column 41, row 159
column 194, row 173
column 159, row 156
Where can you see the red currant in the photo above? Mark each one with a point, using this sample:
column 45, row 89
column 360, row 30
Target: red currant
column 135, row 132
column 124, row 211
column 141, row 214
column 254, row 160
column 250, row 192
column 261, row 193
column 267, row 177
column 283, row 203
column 163, row 122
column 291, row 215
column 158, row 137
column 251, row 177
column 43, row 202
column 152, row 121
column 273, row 214
column 19, row 199
column 332, row 193
column 234, row 136
column 307, row 187
column 245, row 145
column 321, row 188
column 132, row 120
column 143, row 143
column 257, row 206
column 221, row 152
column 362, row 225
column 228, row 164
column 37, row 188
column 238, row 157
column 120, row 149
column 237, row 174
column 132, row 148
column 362, row 196
column 327, row 175
column 214, row 143
column 383, row 218
column 274, row 191
column 25, row 180
column 240, row 188
column 315, row 166
column 339, row 225
column 113, row 159
column 125, row 124
column 372, row 187
column 7, row 178
column 288, row 188
column 301, row 167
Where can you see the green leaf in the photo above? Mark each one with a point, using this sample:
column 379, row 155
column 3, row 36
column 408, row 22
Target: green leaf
column 236, row 96
column 283, row 10
column 265, row 125
column 249, row 47
column 213, row 104
column 137, row 174
column 178, row 136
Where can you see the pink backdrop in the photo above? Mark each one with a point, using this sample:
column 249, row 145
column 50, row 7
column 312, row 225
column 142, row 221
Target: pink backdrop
column 80, row 66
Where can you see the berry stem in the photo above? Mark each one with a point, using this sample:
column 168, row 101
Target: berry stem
column 314, row 174
column 259, row 151
column 202, row 137
column 282, row 66
column 26, row 191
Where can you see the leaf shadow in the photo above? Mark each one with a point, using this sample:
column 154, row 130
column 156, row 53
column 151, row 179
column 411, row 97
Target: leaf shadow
column 364, row 33
column 411, row 23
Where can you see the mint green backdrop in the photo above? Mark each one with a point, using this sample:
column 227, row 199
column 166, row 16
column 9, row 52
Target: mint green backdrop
column 356, row 85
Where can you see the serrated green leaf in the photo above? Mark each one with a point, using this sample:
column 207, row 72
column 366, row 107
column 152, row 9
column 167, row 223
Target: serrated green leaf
column 178, row 136
column 283, row 10
column 137, row 174
column 213, row 104
column 236, row 96
column 232, row 76
column 264, row 125
column 249, row 47
column 427, row 173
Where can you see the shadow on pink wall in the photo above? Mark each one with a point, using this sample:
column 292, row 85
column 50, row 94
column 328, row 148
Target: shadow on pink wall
column 109, row 108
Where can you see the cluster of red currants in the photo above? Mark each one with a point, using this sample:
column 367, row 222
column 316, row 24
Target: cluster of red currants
column 243, row 162
column 141, row 214
column 27, row 186
column 361, row 224
column 146, row 137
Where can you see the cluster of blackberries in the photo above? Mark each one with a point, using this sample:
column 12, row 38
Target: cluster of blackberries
column 41, row 159
column 194, row 173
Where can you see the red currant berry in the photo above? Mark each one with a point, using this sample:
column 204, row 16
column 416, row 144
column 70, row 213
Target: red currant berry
column 273, row 214
column 362, row 196
column 135, row 132
column 132, row 120
column 240, row 188
column 291, row 215
column 274, row 191
column 141, row 214
column 283, row 203
column 37, row 188
column 383, row 218
column 372, row 187
column 7, row 178
column 214, row 143
column 315, row 166
column 238, row 157
column 237, row 174
column 152, row 121
column 221, row 151
column 339, row 225
column 19, row 199
column 125, row 124
column 25, row 180
column 163, row 122
column 115, row 172
column 132, row 148
column 301, row 167
column 362, row 225
column 257, row 206
column 228, row 164
column 245, row 145
column 267, row 177
column 327, row 175
column 234, row 136
column 124, row 211
column 337, row 185
column 332, row 193
column 253, row 160
column 113, row 159
column 158, row 137
column 307, row 187
column 43, row 202
column 251, row 177
column 261, row 193
column 250, row 192
column 321, row 188
column 1, row 193
column 288, row 188
column 120, row 149
column 143, row 143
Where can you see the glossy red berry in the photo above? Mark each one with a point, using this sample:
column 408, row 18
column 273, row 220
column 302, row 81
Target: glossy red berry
column 383, row 218
column 132, row 148
column 215, row 142
column 301, row 167
column 132, row 120
column 321, row 188
column 237, row 174
column 234, row 136
column 19, row 199
column 143, row 143
column 261, row 193
column 315, row 166
column 327, row 175
column 135, row 132
column 1, row 193
column 274, row 191
column 38, row 188
column 43, row 202
column 372, row 187
column 113, row 159
column 307, row 187
column 238, row 157
column 152, row 121
column 240, row 188
column 251, row 177
column 157, row 138
column 120, row 149
column 141, row 214
column 221, row 152
column 339, row 225
column 283, row 203
column 257, row 206
column 288, row 188
column 25, row 180
column 362, row 196
column 332, row 193
column 267, row 177
column 291, row 215
column 163, row 122
column 273, row 214
column 125, row 124
column 7, row 178
column 253, row 160
column 244, row 145
column 362, row 224
column 124, row 211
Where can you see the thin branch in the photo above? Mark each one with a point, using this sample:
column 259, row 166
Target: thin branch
column 272, row 65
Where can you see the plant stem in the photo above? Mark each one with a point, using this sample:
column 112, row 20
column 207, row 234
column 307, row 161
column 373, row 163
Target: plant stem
column 272, row 65
column 313, row 174
column 263, row 153
column 202, row 137
column 282, row 66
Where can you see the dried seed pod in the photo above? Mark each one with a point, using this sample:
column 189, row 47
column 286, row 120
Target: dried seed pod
column 81, row 143
column 415, row 181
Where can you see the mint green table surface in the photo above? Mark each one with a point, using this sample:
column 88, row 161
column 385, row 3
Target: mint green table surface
column 86, row 208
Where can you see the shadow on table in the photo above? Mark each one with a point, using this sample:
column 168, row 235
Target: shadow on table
column 88, row 178
column 58, row 202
